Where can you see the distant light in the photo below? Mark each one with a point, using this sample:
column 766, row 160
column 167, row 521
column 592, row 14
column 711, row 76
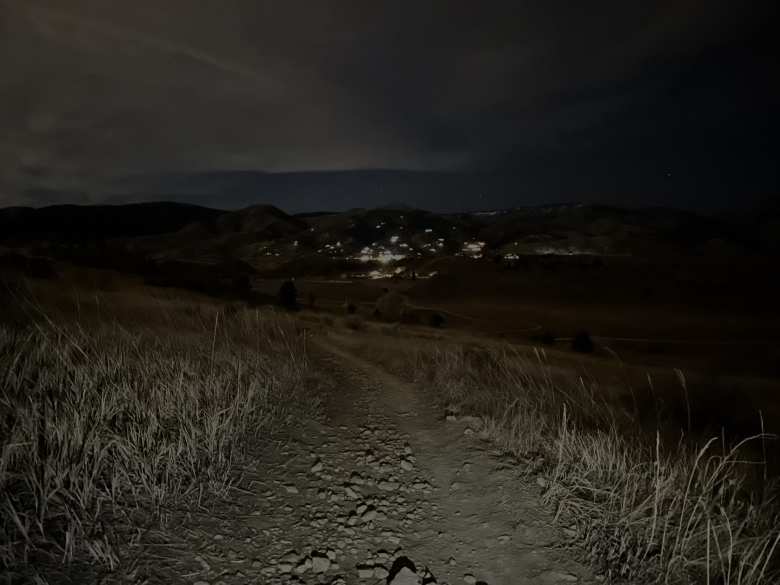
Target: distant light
column 386, row 257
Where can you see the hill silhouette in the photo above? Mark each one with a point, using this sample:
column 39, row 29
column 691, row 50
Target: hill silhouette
column 96, row 222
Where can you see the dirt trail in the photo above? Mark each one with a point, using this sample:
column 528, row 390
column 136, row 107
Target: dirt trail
column 381, row 477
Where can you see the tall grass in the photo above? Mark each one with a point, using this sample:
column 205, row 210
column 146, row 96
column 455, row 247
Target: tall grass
column 644, row 508
column 108, row 423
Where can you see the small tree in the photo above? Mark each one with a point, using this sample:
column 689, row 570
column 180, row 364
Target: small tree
column 288, row 295
column 437, row 320
column 582, row 342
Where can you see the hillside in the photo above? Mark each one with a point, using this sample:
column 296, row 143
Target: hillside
column 593, row 229
column 235, row 235
column 270, row 240
column 96, row 222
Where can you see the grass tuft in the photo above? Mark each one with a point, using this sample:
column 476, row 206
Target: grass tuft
column 643, row 507
column 107, row 424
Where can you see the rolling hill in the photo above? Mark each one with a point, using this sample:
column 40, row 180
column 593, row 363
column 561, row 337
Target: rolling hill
column 75, row 223
column 268, row 239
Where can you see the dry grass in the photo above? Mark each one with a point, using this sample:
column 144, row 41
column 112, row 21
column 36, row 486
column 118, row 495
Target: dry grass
column 115, row 410
column 644, row 509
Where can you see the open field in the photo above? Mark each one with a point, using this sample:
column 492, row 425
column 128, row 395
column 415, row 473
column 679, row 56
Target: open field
column 389, row 293
column 121, row 408
column 142, row 406
column 718, row 318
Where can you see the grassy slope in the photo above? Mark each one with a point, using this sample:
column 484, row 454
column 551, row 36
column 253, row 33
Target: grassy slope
column 117, row 408
column 642, row 507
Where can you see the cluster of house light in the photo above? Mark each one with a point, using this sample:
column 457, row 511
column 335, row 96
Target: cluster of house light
column 337, row 247
column 473, row 249
column 381, row 254
column 568, row 251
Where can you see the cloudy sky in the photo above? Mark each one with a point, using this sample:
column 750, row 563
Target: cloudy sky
column 633, row 102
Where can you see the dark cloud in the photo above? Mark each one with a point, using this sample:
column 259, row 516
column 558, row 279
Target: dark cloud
column 558, row 98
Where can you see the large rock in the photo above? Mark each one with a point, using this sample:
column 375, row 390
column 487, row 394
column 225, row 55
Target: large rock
column 405, row 577
column 320, row 563
column 403, row 572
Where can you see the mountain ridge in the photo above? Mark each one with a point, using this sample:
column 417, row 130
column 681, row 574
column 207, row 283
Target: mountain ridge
column 390, row 232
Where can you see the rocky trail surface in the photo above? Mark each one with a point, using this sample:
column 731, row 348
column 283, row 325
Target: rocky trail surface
column 380, row 490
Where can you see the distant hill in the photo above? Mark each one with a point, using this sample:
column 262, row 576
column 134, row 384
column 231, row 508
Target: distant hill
column 595, row 229
column 97, row 222
column 233, row 235
column 270, row 240
column 265, row 221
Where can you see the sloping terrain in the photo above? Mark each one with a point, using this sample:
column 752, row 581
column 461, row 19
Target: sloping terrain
column 593, row 229
column 382, row 241
column 377, row 484
column 89, row 222
column 235, row 235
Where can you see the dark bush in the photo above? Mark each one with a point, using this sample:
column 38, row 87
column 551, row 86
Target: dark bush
column 288, row 295
column 582, row 342
column 242, row 285
column 437, row 320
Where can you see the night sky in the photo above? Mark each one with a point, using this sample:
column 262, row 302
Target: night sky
column 447, row 105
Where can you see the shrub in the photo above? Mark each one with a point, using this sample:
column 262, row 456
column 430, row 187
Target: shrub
column 437, row 320
column 288, row 295
column 582, row 342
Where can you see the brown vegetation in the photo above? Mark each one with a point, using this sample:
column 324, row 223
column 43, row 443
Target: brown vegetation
column 644, row 507
column 119, row 408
